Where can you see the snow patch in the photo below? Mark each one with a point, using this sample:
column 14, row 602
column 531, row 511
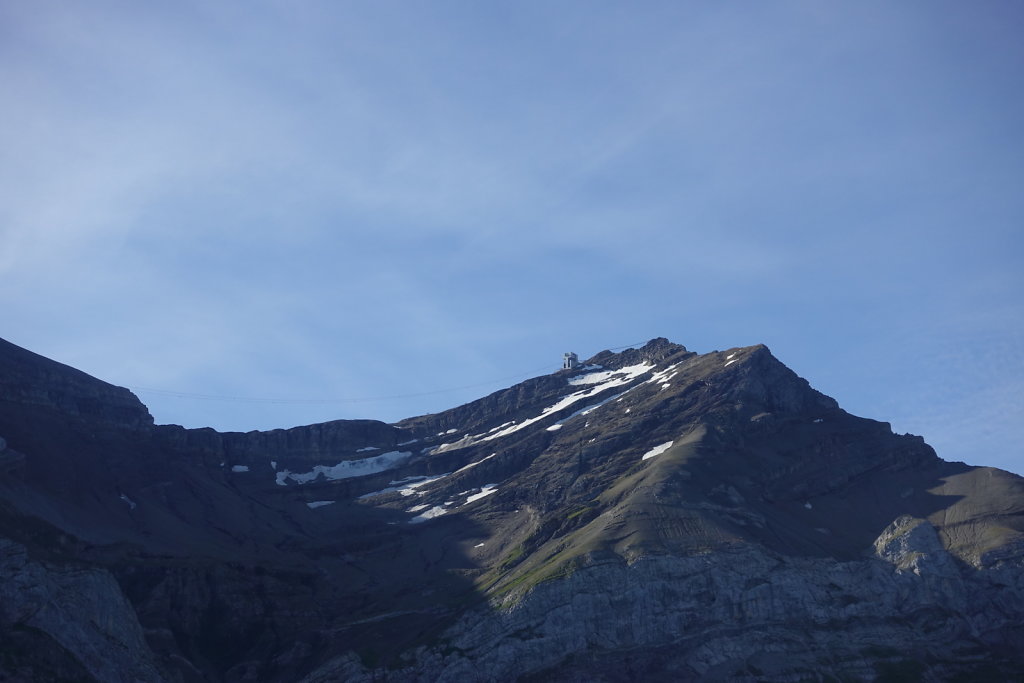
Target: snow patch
column 808, row 506
column 657, row 450
column 367, row 449
column 479, row 545
column 466, row 440
column 620, row 376
column 729, row 357
column 728, row 363
column 484, row 492
column 665, row 375
column 406, row 443
column 410, row 489
column 586, row 411
column 474, row 464
column 407, row 486
column 597, row 382
column 239, row 468
column 129, row 501
column 319, row 504
column 433, row 512
column 347, row 468
column 273, row 464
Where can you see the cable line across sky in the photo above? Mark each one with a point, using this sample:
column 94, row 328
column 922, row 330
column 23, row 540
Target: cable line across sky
column 361, row 399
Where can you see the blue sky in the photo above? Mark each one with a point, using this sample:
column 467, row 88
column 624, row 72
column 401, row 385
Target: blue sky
column 412, row 204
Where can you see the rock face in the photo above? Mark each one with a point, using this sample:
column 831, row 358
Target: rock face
column 77, row 616
column 736, row 614
column 31, row 380
column 654, row 514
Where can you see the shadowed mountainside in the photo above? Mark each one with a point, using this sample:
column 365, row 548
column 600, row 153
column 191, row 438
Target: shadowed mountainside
column 653, row 513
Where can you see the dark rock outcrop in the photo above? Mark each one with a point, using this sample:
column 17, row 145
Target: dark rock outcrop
column 29, row 379
column 76, row 616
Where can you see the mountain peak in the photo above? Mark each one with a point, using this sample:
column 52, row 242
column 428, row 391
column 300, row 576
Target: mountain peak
column 654, row 351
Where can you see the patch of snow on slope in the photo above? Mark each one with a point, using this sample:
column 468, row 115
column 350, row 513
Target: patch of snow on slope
column 611, row 378
column 657, row 450
column 663, row 376
column 588, row 411
column 729, row 357
column 410, row 489
column 466, row 440
column 129, row 501
column 501, row 426
column 433, row 512
column 239, row 468
column 585, row 411
column 474, row 464
column 629, row 372
column 597, row 381
column 348, row 468
column 367, row 449
column 728, row 363
column 319, row 504
column 407, row 486
column 484, row 492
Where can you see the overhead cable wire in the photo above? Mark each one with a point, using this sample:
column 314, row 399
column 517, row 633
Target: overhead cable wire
column 324, row 401
column 313, row 401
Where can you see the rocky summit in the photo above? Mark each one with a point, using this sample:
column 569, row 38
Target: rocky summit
column 654, row 514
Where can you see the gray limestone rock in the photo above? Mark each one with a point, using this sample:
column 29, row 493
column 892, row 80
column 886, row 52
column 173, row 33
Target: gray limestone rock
column 735, row 614
column 80, row 609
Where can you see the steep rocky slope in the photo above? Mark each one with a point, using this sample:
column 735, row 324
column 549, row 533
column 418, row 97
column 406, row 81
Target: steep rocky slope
column 652, row 514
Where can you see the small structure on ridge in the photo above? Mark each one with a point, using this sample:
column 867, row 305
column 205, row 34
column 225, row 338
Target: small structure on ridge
column 569, row 360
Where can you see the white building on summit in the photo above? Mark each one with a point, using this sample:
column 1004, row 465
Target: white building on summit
column 569, row 360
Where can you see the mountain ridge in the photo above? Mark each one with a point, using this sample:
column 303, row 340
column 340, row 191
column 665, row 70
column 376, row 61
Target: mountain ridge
column 355, row 549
